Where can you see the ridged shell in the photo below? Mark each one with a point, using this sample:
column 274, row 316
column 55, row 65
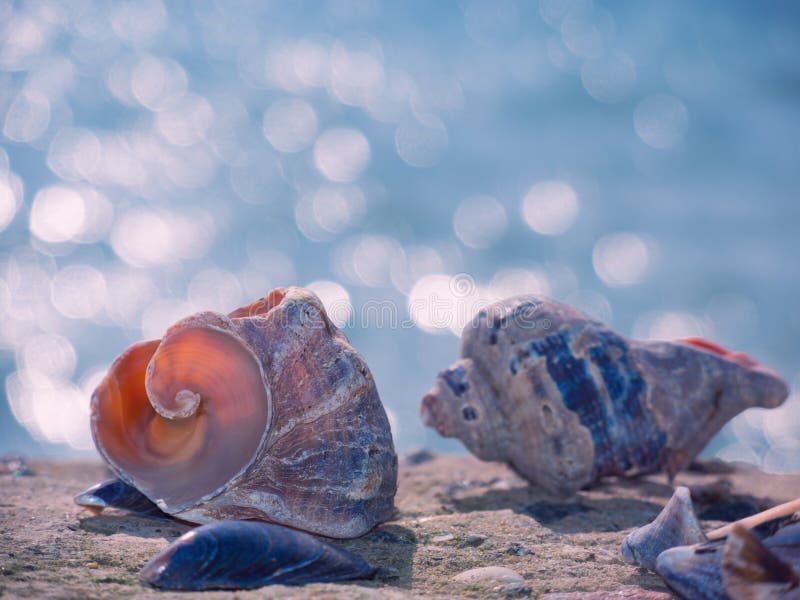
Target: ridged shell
column 740, row 566
column 115, row 493
column 676, row 525
column 266, row 413
column 246, row 554
column 565, row 400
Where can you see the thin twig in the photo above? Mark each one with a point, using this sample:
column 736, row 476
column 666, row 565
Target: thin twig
column 776, row 512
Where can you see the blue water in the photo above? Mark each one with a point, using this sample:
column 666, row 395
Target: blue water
column 640, row 160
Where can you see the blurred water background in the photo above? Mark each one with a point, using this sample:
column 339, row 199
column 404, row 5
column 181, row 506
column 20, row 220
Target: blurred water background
column 637, row 159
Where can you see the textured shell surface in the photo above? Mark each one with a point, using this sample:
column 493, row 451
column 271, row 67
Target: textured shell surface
column 676, row 525
column 115, row 493
column 265, row 413
column 249, row 554
column 739, row 566
column 750, row 569
column 565, row 400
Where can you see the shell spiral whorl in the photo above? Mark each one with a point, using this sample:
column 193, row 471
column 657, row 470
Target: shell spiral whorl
column 265, row 413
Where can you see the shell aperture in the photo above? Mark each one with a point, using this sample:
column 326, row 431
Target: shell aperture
column 247, row 554
column 266, row 413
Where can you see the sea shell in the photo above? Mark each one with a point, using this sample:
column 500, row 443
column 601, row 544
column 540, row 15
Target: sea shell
column 247, row 554
column 265, row 413
column 693, row 572
column 752, row 570
column 676, row 525
column 740, row 566
column 115, row 493
column 565, row 400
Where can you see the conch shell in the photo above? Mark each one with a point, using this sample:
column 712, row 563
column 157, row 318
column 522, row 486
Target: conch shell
column 265, row 413
column 565, row 400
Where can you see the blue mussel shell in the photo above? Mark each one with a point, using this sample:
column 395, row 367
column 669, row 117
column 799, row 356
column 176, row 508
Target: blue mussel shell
column 115, row 493
column 249, row 554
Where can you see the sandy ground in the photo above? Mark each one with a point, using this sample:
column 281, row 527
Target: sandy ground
column 454, row 513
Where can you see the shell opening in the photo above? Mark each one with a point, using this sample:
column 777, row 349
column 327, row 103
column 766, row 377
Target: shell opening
column 181, row 417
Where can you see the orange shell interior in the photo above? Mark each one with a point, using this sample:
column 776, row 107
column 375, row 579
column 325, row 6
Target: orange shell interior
column 181, row 460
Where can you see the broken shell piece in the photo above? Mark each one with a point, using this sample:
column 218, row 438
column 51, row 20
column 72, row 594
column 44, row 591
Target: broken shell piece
column 115, row 493
column 266, row 413
column 676, row 525
column 566, row 401
column 233, row 555
column 693, row 572
column 700, row 571
column 751, row 570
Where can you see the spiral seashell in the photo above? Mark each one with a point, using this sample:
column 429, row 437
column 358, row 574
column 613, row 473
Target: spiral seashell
column 676, row 525
column 565, row 401
column 233, row 555
column 115, row 493
column 265, row 413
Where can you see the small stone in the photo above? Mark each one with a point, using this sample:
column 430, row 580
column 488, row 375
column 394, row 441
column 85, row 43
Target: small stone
column 472, row 541
column 490, row 575
column 518, row 550
column 92, row 565
column 625, row 592
column 444, row 537
column 418, row 457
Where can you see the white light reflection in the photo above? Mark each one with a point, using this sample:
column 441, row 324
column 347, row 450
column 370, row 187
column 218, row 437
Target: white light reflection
column 412, row 264
column 28, row 117
column 58, row 214
column 290, row 124
column 9, row 199
column 421, row 141
column 592, row 303
column 187, row 122
column 550, row 207
column 514, row 281
column 143, row 237
column 479, row 221
column 341, row 154
column 366, row 259
column 52, row 410
column 621, row 259
column 356, row 70
column 162, row 314
column 215, row 289
column 661, row 120
column 128, row 292
column 441, row 303
column 609, row 78
column 78, row 291
column 74, row 154
column 50, row 354
column 335, row 299
column 668, row 325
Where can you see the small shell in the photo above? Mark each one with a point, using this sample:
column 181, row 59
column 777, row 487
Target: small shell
column 118, row 494
column 245, row 555
column 676, row 525
column 693, row 572
column 266, row 413
column 752, row 570
column 566, row 401
column 739, row 567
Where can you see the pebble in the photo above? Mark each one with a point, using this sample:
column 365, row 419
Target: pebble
column 472, row 541
column 444, row 537
column 490, row 575
column 626, row 592
column 92, row 565
column 418, row 457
